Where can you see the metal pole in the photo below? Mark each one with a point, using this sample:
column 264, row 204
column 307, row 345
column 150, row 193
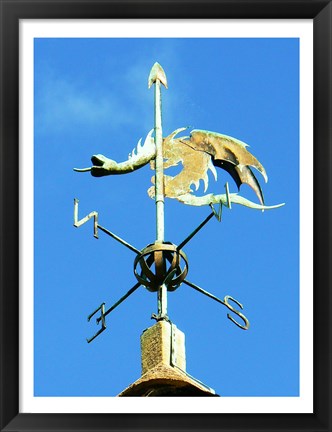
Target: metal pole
column 157, row 77
column 160, row 201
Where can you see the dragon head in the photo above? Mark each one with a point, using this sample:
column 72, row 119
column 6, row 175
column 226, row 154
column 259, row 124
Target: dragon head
column 103, row 166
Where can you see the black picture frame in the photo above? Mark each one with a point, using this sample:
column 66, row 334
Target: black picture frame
column 14, row 10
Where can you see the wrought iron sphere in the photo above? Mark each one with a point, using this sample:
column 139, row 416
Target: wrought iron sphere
column 161, row 263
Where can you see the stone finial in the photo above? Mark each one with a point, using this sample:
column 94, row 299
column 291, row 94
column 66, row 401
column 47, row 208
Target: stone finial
column 164, row 344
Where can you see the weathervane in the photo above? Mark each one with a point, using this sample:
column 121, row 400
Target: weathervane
column 162, row 266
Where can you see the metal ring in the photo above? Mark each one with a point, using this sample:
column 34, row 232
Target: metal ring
column 170, row 252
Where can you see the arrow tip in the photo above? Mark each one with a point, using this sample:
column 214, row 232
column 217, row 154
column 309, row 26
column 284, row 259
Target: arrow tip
column 157, row 72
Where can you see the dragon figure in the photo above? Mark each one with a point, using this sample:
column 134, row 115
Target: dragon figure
column 198, row 153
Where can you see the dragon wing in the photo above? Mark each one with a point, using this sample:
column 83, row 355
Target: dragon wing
column 231, row 155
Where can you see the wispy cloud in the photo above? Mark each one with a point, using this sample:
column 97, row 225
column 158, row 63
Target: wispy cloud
column 59, row 104
column 63, row 101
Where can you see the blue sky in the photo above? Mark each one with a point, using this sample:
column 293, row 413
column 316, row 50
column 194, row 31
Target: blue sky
column 91, row 97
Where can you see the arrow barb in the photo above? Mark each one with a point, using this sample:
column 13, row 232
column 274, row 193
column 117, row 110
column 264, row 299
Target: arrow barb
column 157, row 73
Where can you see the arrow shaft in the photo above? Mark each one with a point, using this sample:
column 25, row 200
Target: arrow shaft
column 159, row 193
column 157, row 77
column 159, row 180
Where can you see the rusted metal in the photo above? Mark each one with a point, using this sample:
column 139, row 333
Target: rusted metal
column 198, row 153
column 201, row 152
column 173, row 275
column 230, row 154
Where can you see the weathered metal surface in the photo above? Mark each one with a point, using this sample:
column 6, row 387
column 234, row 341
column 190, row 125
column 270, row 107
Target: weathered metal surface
column 230, row 154
column 163, row 266
column 191, row 235
column 224, row 302
column 103, row 314
column 173, row 274
column 78, row 223
column 198, row 154
column 123, row 298
column 101, row 308
column 96, row 226
column 139, row 157
column 223, row 199
column 195, row 166
column 157, row 77
column 157, row 73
